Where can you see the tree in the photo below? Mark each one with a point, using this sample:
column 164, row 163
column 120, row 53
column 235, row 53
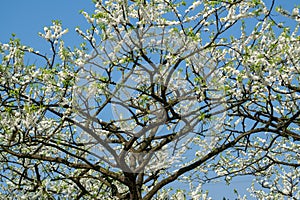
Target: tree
column 158, row 92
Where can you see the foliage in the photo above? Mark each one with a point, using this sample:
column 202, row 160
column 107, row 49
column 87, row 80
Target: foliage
column 158, row 92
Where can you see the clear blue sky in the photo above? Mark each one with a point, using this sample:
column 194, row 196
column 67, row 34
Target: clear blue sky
column 26, row 18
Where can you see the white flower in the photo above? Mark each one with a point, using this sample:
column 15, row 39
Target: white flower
column 295, row 12
column 64, row 31
column 180, row 195
column 79, row 62
column 17, row 114
column 266, row 184
column 285, row 191
column 5, row 46
column 228, row 178
column 48, row 35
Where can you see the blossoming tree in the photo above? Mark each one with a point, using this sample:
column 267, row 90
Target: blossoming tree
column 159, row 92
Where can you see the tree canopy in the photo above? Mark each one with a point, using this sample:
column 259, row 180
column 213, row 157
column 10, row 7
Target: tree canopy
column 157, row 92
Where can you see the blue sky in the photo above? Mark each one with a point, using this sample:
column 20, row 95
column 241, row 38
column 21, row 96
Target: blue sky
column 27, row 18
